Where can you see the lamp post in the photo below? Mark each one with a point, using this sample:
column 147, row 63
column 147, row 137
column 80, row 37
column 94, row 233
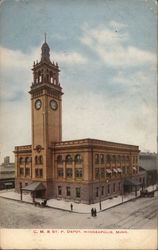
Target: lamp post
column 122, row 188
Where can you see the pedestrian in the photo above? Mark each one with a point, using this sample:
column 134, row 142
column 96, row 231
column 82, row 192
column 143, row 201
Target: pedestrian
column 95, row 212
column 71, row 207
column 92, row 212
column 100, row 205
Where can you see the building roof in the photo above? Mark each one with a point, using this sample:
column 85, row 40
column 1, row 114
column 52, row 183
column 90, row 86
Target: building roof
column 35, row 186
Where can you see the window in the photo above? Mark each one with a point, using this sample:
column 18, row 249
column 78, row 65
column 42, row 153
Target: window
column 96, row 158
column 59, row 159
column 102, row 190
column 27, row 171
column 123, row 160
column 108, row 188
column 97, row 191
column 60, row 172
column 78, row 159
column 68, row 159
column 26, row 184
column 97, row 173
column 78, row 173
column 108, row 159
column 21, row 171
column 102, row 158
column 78, row 192
column 59, row 190
column 40, row 159
column 21, row 160
column 140, row 180
column 118, row 159
column 36, row 172
column 41, row 172
column 127, row 159
column 69, row 172
column 27, row 160
column 128, row 170
column 113, row 159
column 102, row 172
column 36, row 159
column 114, row 187
column 68, row 191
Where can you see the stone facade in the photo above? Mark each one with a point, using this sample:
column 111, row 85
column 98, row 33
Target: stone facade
column 86, row 170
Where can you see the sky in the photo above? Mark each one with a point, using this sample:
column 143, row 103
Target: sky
column 106, row 51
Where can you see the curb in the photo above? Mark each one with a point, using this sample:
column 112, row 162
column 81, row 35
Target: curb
column 66, row 210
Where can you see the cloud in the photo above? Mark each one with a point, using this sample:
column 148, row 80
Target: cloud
column 70, row 58
column 114, row 48
column 19, row 60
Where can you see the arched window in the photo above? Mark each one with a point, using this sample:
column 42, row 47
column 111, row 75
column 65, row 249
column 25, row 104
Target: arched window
column 27, row 160
column 40, row 159
column 51, row 77
column 59, row 159
column 108, row 159
column 78, row 158
column 21, row 160
column 113, row 159
column 97, row 158
column 36, row 159
column 102, row 158
column 68, row 159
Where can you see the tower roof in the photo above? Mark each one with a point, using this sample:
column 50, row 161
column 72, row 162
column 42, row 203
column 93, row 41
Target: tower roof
column 45, row 55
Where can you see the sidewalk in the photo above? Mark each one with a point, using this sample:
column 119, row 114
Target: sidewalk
column 77, row 207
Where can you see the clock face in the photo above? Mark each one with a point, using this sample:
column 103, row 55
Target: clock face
column 53, row 104
column 38, row 104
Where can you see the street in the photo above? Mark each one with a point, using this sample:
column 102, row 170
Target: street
column 138, row 214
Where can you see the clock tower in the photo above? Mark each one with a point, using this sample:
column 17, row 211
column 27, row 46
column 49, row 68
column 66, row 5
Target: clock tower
column 46, row 107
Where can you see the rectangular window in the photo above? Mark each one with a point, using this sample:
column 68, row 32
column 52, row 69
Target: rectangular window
column 78, row 192
column 68, row 192
column 114, row 187
column 41, row 172
column 60, row 172
column 102, row 190
column 36, row 172
column 69, row 172
column 78, row 173
column 108, row 188
column 27, row 171
column 97, row 173
column 21, row 171
column 26, row 184
column 102, row 172
column 59, row 190
column 97, row 192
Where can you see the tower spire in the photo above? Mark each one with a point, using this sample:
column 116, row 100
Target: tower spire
column 45, row 36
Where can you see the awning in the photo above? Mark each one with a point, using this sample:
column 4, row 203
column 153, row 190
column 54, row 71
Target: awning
column 119, row 170
column 35, row 186
column 114, row 170
column 108, row 171
column 131, row 182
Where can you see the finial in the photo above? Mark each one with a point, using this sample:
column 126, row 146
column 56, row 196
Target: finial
column 45, row 36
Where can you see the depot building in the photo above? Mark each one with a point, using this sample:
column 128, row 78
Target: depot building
column 86, row 170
